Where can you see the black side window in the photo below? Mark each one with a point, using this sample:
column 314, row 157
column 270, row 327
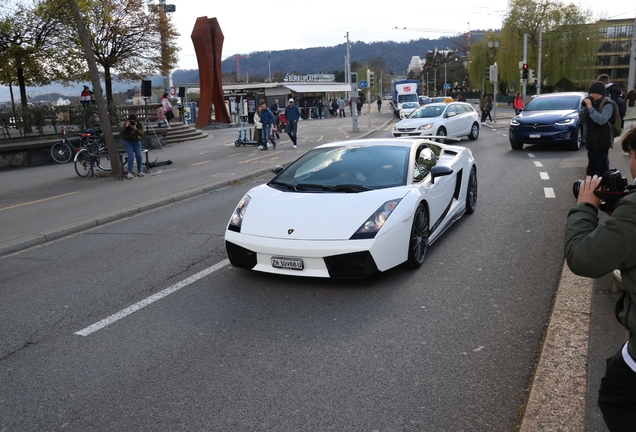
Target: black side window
column 426, row 160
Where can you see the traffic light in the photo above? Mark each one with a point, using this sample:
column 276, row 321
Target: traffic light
column 493, row 73
column 531, row 77
column 524, row 71
column 488, row 73
column 371, row 80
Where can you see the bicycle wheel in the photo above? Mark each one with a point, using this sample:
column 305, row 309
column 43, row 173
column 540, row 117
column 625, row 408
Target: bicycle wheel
column 103, row 162
column 83, row 163
column 61, row 152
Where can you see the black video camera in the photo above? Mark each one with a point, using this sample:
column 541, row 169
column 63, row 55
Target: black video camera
column 611, row 189
column 131, row 123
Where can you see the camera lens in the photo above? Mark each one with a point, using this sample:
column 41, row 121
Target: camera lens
column 576, row 187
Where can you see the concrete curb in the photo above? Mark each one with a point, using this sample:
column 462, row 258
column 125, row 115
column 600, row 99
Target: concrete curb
column 557, row 398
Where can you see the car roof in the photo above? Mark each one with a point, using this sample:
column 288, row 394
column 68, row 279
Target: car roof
column 561, row 94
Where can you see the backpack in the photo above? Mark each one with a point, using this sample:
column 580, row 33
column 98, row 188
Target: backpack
column 615, row 120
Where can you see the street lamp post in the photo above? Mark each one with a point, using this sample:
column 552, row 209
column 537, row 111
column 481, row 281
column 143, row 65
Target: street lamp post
column 495, row 45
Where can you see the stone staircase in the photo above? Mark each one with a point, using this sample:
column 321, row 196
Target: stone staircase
column 178, row 132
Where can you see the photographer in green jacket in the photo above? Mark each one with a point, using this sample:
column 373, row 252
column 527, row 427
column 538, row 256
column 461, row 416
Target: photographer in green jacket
column 593, row 250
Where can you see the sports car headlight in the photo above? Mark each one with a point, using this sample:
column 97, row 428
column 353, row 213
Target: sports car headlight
column 237, row 217
column 565, row 122
column 372, row 225
column 426, row 126
column 514, row 122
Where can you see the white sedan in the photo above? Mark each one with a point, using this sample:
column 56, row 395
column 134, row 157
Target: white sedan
column 455, row 119
column 407, row 108
column 349, row 209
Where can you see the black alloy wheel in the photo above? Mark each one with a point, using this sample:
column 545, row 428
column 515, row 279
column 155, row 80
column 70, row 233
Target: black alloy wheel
column 471, row 191
column 418, row 244
column 474, row 132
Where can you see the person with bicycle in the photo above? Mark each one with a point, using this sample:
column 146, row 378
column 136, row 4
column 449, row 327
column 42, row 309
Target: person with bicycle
column 131, row 133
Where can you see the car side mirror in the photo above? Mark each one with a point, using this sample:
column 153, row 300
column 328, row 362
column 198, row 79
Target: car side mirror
column 451, row 114
column 440, row 171
column 277, row 169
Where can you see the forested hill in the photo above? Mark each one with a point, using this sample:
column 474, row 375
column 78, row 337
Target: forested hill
column 396, row 56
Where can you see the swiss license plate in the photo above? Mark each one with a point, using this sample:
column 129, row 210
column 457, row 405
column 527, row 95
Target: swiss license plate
column 535, row 136
column 287, row 263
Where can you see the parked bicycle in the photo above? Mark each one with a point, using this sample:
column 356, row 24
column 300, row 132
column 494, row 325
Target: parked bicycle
column 92, row 154
column 63, row 151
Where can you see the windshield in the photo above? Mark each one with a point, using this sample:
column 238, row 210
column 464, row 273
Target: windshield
column 428, row 111
column 345, row 169
column 407, row 98
column 554, row 103
column 410, row 105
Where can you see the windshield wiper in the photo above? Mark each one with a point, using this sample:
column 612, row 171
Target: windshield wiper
column 288, row 186
column 347, row 188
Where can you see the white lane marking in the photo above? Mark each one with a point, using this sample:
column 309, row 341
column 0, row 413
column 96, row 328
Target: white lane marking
column 544, row 176
column 538, row 164
column 149, row 300
column 530, row 155
column 549, row 193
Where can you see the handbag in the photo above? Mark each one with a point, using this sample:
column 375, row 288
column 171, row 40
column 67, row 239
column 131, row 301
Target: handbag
column 169, row 115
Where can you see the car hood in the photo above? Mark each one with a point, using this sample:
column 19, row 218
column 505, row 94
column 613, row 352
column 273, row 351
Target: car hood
column 312, row 216
column 415, row 122
column 543, row 117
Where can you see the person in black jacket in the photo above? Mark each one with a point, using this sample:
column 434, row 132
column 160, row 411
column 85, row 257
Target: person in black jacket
column 599, row 134
column 613, row 91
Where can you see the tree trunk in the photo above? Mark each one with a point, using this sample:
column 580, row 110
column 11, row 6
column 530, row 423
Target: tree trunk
column 102, row 109
column 108, row 82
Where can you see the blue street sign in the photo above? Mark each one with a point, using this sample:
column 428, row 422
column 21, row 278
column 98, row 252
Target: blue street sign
column 446, row 86
column 363, row 84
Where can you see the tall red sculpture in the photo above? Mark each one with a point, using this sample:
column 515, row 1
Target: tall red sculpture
column 207, row 38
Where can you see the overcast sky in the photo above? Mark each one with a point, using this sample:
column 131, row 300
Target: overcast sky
column 250, row 26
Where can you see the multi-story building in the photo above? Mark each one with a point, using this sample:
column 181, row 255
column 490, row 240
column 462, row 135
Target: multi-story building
column 615, row 50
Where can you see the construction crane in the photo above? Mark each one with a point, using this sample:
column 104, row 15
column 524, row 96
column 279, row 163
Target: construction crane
column 237, row 58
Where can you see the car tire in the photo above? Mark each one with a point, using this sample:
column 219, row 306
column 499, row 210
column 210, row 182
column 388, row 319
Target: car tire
column 578, row 140
column 474, row 132
column 471, row 191
column 516, row 145
column 441, row 132
column 418, row 241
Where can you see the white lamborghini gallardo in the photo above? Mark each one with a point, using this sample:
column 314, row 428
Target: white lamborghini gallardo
column 349, row 209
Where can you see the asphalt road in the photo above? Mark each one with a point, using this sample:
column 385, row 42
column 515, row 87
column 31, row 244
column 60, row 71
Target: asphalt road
column 448, row 347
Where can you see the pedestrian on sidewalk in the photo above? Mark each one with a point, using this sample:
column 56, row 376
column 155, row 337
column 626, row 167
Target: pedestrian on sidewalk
column 599, row 133
column 482, row 106
column 292, row 114
column 486, row 111
column 379, row 102
column 341, row 108
column 167, row 108
column 593, row 249
column 131, row 132
column 267, row 117
column 320, row 106
column 517, row 104
column 258, row 129
column 359, row 105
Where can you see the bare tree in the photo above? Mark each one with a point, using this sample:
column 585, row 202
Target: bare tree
column 99, row 98
column 127, row 40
